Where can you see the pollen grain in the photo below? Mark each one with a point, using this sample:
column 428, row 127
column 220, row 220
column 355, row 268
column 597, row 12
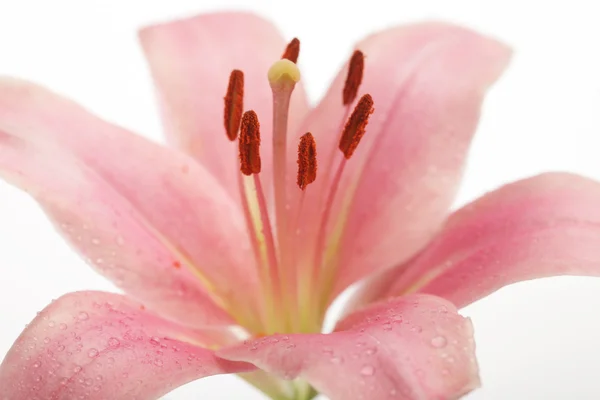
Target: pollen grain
column 354, row 78
column 307, row 160
column 249, row 144
column 292, row 51
column 356, row 125
column 234, row 104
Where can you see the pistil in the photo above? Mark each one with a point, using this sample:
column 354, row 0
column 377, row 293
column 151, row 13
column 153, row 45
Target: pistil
column 282, row 76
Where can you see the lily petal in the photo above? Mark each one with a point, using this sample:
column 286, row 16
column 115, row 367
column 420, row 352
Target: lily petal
column 149, row 218
column 414, row 347
column 191, row 60
column 427, row 82
column 98, row 346
column 538, row 227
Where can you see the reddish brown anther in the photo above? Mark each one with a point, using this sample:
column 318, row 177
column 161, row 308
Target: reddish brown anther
column 249, row 143
column 307, row 160
column 354, row 78
column 356, row 125
column 234, row 104
column 292, row 51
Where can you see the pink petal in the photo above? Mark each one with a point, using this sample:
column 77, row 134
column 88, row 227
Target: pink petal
column 148, row 218
column 414, row 347
column 428, row 82
column 98, row 346
column 191, row 60
column 542, row 226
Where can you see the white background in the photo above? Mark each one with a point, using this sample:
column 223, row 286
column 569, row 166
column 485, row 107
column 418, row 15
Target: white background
column 536, row 340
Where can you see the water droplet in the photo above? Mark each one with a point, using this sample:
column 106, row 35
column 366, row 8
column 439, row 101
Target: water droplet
column 83, row 316
column 46, row 340
column 92, row 353
column 371, row 351
column 114, row 342
column 387, row 326
column 290, row 346
column 367, row 370
column 77, row 369
column 337, row 360
column 62, row 327
column 99, row 260
column 60, row 348
column 37, row 364
column 439, row 342
column 158, row 362
column 155, row 341
column 51, row 324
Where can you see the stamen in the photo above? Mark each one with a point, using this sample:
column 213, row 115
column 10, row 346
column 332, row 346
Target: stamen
column 257, row 218
column 234, row 103
column 353, row 132
column 355, row 127
column 292, row 51
column 249, row 144
column 354, row 77
column 307, row 160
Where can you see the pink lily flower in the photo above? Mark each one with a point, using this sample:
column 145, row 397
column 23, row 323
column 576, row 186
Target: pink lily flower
column 229, row 271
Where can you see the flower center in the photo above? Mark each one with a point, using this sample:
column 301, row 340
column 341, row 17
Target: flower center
column 291, row 294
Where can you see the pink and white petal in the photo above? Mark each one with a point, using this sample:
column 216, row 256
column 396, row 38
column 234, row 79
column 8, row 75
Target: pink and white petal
column 538, row 227
column 149, row 218
column 427, row 82
column 96, row 346
column 414, row 347
column 191, row 60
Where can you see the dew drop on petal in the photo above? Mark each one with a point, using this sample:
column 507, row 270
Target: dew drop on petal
column 337, row 360
column 367, row 370
column 92, row 353
column 114, row 342
column 439, row 342
column 83, row 316
column 154, row 340
column 37, row 364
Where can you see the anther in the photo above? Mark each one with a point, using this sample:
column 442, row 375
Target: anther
column 249, row 143
column 234, row 104
column 355, row 127
column 354, row 78
column 307, row 160
column 292, row 51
